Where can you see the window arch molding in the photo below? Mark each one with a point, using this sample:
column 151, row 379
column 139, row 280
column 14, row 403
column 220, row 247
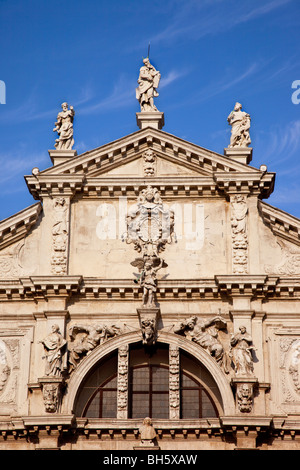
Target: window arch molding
column 90, row 361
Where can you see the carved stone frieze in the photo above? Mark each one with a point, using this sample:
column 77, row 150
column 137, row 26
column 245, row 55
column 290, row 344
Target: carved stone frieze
column 84, row 338
column 60, row 236
column 123, row 365
column 239, row 211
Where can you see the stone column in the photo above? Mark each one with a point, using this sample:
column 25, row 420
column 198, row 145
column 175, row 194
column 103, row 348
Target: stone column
column 123, row 369
column 174, row 382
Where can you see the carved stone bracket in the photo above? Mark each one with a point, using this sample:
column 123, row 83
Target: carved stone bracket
column 52, row 392
column 244, row 393
column 148, row 323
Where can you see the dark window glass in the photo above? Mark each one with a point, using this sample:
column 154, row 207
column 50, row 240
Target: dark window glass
column 195, row 401
column 149, row 392
column 103, row 403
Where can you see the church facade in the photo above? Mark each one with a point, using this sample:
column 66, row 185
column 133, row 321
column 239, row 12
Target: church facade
column 150, row 297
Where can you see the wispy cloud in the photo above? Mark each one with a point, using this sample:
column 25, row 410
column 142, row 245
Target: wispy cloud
column 196, row 20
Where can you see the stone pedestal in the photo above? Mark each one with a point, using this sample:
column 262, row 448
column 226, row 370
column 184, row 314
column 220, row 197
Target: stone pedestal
column 154, row 119
column 61, row 156
column 239, row 154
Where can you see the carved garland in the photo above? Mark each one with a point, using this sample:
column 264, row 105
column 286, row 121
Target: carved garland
column 239, row 211
column 123, row 361
column 60, row 236
column 174, row 379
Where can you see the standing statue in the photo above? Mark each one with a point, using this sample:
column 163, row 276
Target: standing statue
column 240, row 125
column 149, row 267
column 54, row 344
column 64, row 128
column 242, row 347
column 148, row 81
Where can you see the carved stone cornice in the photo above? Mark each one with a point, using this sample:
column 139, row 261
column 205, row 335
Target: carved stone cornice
column 281, row 223
column 257, row 184
column 17, row 226
column 42, row 287
column 41, row 186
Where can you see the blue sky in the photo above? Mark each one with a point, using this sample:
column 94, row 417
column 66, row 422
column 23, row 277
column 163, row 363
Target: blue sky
column 211, row 53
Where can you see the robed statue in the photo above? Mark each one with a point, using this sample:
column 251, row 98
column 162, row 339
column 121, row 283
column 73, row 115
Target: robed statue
column 240, row 125
column 64, row 128
column 148, row 81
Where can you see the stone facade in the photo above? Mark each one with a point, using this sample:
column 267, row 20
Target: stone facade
column 150, row 253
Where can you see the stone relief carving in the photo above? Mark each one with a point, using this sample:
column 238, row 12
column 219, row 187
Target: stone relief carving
column 54, row 346
column 5, row 369
column 241, row 352
column 244, row 395
column 148, row 82
column 51, row 396
column 64, row 128
column 150, row 226
column 205, row 334
column 84, row 338
column 10, row 263
column 290, row 367
column 123, row 362
column 9, row 369
column 60, row 236
column 149, row 162
column 240, row 125
column 147, row 433
column 239, row 211
column 290, row 261
column 174, row 382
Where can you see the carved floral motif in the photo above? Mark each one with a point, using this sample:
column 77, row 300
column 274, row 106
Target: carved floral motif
column 123, row 360
column 60, row 236
column 174, row 381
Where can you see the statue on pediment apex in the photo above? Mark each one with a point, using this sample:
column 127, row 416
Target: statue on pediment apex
column 240, row 124
column 64, row 128
column 148, row 81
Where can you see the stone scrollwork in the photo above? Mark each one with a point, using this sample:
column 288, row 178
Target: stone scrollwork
column 239, row 211
column 205, row 334
column 84, row 338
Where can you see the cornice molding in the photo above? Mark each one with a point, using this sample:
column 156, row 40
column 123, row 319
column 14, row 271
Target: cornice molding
column 17, row 226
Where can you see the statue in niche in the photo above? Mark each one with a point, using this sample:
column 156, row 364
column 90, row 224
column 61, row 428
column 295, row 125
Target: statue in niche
column 148, row 81
column 54, row 345
column 240, row 125
column 205, row 333
column 147, row 433
column 85, row 338
column 241, row 352
column 64, row 128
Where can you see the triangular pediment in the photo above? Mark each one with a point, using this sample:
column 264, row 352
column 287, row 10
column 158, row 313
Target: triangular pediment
column 174, row 154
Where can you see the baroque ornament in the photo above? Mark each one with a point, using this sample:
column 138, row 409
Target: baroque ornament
column 205, row 334
column 60, row 236
column 84, row 338
column 245, row 397
column 239, row 211
column 241, row 352
column 150, row 226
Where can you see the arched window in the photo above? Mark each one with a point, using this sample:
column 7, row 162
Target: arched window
column 103, row 402
column 148, row 388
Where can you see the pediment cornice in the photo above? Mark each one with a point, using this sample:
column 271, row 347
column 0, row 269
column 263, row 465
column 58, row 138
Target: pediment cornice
column 281, row 223
column 18, row 225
